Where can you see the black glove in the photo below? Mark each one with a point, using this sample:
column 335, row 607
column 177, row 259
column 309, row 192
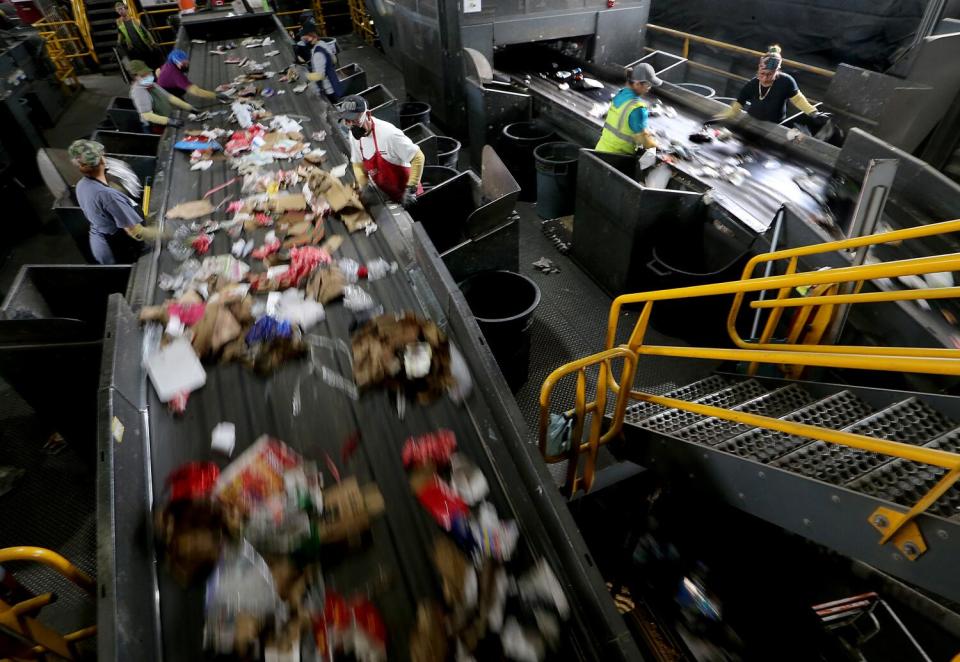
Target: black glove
column 174, row 122
column 224, row 98
column 409, row 196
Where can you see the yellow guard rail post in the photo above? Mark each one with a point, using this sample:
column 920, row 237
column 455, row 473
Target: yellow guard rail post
column 21, row 619
column 894, row 526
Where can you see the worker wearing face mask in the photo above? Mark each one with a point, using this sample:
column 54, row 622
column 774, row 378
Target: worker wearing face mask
column 765, row 96
column 154, row 104
column 381, row 153
column 173, row 78
column 625, row 128
column 323, row 67
column 116, row 228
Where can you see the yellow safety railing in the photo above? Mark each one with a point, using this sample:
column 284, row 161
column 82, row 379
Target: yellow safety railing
column 688, row 37
column 362, row 23
column 822, row 296
column 66, row 40
column 20, row 618
column 153, row 16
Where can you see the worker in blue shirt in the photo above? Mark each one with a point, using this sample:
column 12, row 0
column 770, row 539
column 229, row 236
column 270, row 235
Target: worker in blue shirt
column 625, row 128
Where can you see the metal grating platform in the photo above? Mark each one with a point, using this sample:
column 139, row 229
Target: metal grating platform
column 906, row 482
column 910, row 421
column 837, row 412
column 672, row 420
column 643, row 410
column 714, row 430
column 52, row 506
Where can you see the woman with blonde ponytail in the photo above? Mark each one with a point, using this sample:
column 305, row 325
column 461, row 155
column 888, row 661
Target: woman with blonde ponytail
column 765, row 96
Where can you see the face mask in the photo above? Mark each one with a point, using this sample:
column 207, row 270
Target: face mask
column 184, row 68
column 358, row 132
column 147, row 81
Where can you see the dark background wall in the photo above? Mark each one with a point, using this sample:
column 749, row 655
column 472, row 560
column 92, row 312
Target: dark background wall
column 865, row 33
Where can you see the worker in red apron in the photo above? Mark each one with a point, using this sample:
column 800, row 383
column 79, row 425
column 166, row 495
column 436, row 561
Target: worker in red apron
column 381, row 153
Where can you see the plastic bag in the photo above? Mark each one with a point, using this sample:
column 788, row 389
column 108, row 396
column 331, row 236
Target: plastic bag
column 241, row 586
column 558, row 434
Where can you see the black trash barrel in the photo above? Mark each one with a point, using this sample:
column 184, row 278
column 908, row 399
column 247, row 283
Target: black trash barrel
column 436, row 175
column 414, row 112
column 556, row 165
column 448, row 151
column 694, row 252
column 503, row 303
column 518, row 142
column 697, row 88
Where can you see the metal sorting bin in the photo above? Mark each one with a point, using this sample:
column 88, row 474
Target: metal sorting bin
column 51, row 335
column 517, row 142
column 503, row 303
column 632, row 238
column 556, row 165
column 435, row 175
column 353, row 77
column 124, row 116
column 470, row 221
column 124, row 142
column 414, row 112
column 697, row 88
column 426, row 140
column 382, row 104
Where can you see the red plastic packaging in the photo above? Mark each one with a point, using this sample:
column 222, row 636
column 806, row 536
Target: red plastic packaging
column 192, row 481
column 188, row 313
column 442, row 503
column 432, row 447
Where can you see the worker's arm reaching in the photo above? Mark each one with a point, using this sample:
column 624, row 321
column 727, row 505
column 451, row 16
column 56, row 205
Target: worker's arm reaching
column 413, row 182
column 803, row 105
column 645, row 140
column 360, row 175
column 142, row 232
column 735, row 108
column 180, row 103
column 197, row 91
column 153, row 118
column 315, row 76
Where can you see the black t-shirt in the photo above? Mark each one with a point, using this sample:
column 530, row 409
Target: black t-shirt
column 773, row 106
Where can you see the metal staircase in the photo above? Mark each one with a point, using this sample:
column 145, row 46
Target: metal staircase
column 869, row 472
column 102, row 18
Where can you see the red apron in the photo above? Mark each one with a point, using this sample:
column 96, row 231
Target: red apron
column 390, row 178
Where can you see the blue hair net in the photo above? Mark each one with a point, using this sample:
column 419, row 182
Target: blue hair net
column 177, row 56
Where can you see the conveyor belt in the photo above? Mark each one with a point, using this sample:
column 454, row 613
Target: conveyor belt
column 489, row 429
column 773, row 175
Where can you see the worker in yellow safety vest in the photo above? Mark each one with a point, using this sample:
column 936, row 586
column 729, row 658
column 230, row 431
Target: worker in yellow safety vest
column 135, row 39
column 625, row 129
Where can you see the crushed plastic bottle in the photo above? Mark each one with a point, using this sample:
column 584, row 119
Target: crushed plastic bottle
column 380, row 268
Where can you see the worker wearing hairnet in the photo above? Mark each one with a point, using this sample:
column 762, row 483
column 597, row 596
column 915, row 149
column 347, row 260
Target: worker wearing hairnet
column 765, row 96
column 116, row 228
column 381, row 153
column 625, row 128
column 154, row 104
column 173, row 78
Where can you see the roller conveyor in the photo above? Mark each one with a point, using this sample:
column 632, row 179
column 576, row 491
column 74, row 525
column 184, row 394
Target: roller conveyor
column 143, row 613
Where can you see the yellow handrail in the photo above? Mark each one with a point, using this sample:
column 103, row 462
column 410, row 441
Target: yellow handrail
column 689, row 37
column 941, row 361
column 597, row 408
column 20, row 617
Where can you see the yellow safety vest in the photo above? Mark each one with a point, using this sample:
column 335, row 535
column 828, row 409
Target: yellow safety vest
column 617, row 137
column 144, row 35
